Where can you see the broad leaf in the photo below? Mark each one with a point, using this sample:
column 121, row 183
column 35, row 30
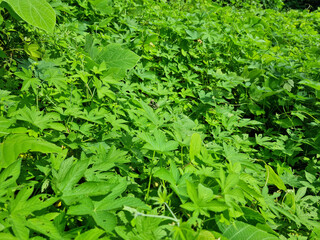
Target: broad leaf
column 9, row 175
column 273, row 178
column 38, row 13
column 92, row 234
column 158, row 142
column 195, row 145
column 116, row 57
column 243, row 231
column 21, row 143
column 45, row 225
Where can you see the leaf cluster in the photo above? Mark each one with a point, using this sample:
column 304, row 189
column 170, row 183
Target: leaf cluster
column 160, row 120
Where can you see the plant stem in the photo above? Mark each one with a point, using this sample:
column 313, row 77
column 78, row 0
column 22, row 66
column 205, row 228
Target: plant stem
column 150, row 176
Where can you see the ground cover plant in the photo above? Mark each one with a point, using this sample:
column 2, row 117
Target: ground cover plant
column 158, row 120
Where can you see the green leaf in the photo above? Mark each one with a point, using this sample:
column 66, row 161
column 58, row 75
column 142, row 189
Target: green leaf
column 92, row 234
column 243, row 231
column 148, row 112
column 45, row 225
column 165, row 175
column 69, row 174
column 29, row 80
column 313, row 84
column 37, row 118
column 195, row 145
column 105, row 219
column 8, row 236
column 19, row 228
column 2, row 53
column 55, row 77
column 206, row 235
column 231, row 181
column 104, row 6
column 15, row 144
column 202, row 200
column 192, row 192
column 9, row 175
column 23, row 205
column 158, row 142
column 38, row 13
column 273, row 178
column 116, row 57
column 253, row 215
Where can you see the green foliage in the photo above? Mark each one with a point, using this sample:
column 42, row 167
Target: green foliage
column 159, row 120
column 38, row 13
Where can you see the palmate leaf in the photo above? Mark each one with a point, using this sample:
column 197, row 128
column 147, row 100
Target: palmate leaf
column 69, row 174
column 116, row 59
column 158, row 142
column 148, row 112
column 92, row 234
column 9, row 176
column 24, row 205
column 15, row 144
column 55, row 77
column 19, row 228
column 44, row 224
column 8, row 236
column 87, row 189
column 243, row 231
column 39, row 118
column 102, row 211
column 104, row 6
column 28, row 80
column 202, row 200
column 38, row 13
column 65, row 182
column 182, row 128
column 177, row 182
column 195, row 145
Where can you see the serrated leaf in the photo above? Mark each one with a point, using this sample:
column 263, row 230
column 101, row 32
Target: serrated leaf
column 9, row 175
column 204, row 193
column 15, row 144
column 105, row 219
column 273, row 178
column 165, row 175
column 23, row 205
column 92, row 234
column 116, row 57
column 28, row 80
column 55, row 77
column 45, row 225
column 19, row 228
column 195, row 145
column 206, row 235
column 158, row 142
column 148, row 112
column 84, row 207
column 69, row 174
column 37, row 118
column 231, row 181
column 192, row 192
column 86, row 189
column 243, row 231
column 104, row 6
column 8, row 236
column 38, row 13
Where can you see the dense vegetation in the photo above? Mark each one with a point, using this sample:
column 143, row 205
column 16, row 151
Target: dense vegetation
column 159, row 120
